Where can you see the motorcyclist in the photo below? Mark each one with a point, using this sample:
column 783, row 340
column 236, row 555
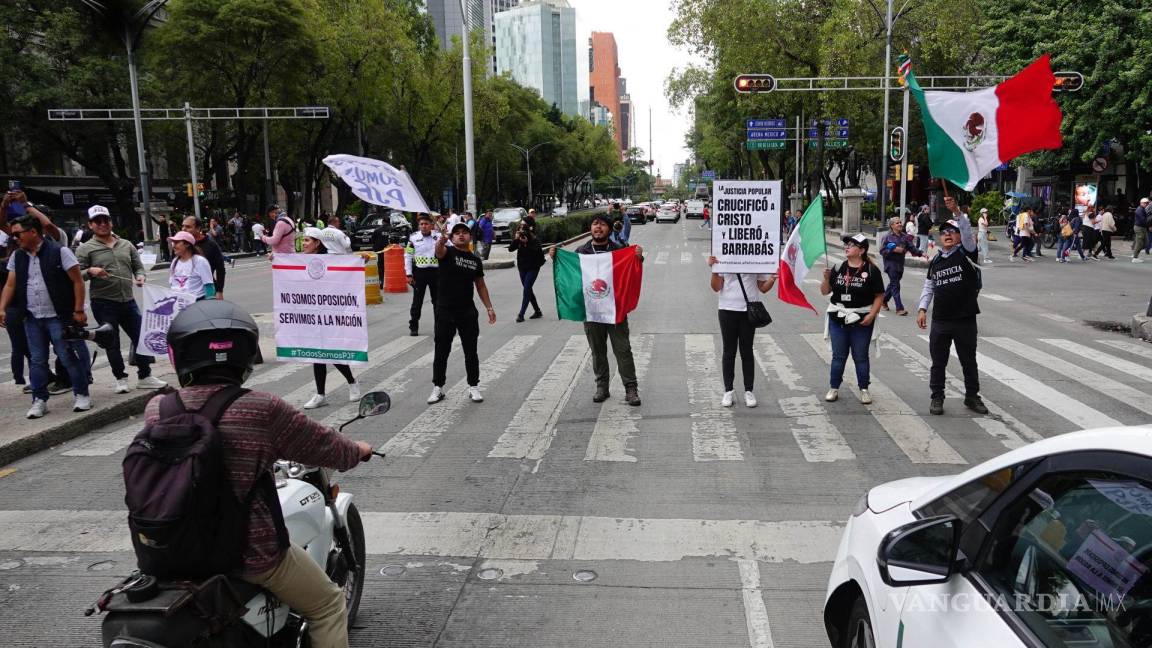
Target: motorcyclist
column 215, row 343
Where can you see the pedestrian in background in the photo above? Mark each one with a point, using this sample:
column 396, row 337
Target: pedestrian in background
column 209, row 248
column 190, row 272
column 334, row 239
column 953, row 282
column 1107, row 225
column 982, row 235
column 895, row 246
column 924, row 228
column 487, row 235
column 313, row 243
column 857, row 295
column 258, row 245
column 283, row 237
column 736, row 332
column 421, row 267
column 1140, row 231
column 1023, row 245
column 529, row 260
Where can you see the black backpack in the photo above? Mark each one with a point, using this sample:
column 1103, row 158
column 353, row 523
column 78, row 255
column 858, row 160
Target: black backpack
column 185, row 519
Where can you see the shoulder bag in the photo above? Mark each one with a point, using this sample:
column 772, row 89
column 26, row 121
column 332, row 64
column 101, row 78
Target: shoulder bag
column 757, row 313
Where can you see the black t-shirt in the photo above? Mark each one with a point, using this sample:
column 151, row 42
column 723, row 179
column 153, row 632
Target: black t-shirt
column 458, row 273
column 211, row 251
column 856, row 287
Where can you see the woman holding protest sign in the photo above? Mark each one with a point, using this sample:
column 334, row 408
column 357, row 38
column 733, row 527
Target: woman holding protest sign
column 312, row 243
column 189, row 273
column 736, row 330
column 857, row 294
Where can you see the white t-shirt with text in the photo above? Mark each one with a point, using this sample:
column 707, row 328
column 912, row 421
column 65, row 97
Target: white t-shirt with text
column 731, row 298
column 190, row 276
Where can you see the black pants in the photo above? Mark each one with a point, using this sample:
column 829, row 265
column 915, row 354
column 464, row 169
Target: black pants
column 448, row 324
column 941, row 337
column 527, row 279
column 320, row 374
column 126, row 316
column 422, row 279
column 736, row 333
column 1105, row 245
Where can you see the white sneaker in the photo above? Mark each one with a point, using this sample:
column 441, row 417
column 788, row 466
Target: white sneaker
column 1137, row 260
column 437, row 395
column 151, row 382
column 39, row 408
column 82, row 404
column 865, row 397
column 726, row 401
column 353, row 392
column 832, row 395
column 121, row 386
column 749, row 399
column 475, row 395
column 317, row 400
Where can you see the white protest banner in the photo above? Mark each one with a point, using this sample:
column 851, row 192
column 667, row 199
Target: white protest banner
column 1105, row 566
column 378, row 182
column 746, row 225
column 161, row 306
column 320, row 308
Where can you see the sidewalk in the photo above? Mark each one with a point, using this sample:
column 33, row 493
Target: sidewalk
column 500, row 257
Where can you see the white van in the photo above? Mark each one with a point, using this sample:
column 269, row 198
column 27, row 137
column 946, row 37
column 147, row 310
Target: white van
column 694, row 209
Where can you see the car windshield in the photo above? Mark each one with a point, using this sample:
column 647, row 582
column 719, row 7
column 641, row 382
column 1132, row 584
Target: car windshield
column 505, row 215
column 375, row 221
column 399, row 219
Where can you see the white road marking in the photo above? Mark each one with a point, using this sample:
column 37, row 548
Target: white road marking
column 685, row 257
column 773, row 360
column 662, row 257
column 489, row 535
column 1143, row 372
column 618, row 422
column 395, row 384
column 1001, row 425
column 1130, row 396
column 376, row 357
column 755, row 612
column 714, row 436
column 1142, row 349
column 275, row 374
column 814, row 282
column 1060, row 404
column 110, row 443
column 532, row 429
column 418, row 437
column 919, row 442
column 995, row 297
column 1057, row 318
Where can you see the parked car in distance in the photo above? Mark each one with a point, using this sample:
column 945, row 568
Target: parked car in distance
column 560, row 211
column 667, row 214
column 380, row 229
column 637, row 214
column 694, row 209
column 504, row 219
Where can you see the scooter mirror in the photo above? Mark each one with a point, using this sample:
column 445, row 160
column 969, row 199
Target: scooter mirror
column 374, row 403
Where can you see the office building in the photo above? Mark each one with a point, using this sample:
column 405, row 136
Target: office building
column 448, row 20
column 536, row 45
column 601, row 116
column 604, row 78
column 625, row 122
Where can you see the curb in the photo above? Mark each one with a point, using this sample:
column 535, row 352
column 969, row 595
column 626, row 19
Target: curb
column 497, row 265
column 1142, row 327
column 68, row 430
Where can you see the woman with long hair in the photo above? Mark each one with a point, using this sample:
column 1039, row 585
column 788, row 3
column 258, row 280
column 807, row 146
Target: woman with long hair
column 190, row 272
column 857, row 294
column 529, row 260
column 736, row 332
column 312, row 243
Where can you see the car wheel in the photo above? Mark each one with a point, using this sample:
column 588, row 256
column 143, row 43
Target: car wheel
column 858, row 632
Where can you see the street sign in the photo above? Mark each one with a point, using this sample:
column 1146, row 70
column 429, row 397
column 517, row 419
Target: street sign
column 841, row 122
column 896, row 144
column 754, row 83
column 765, row 145
column 829, row 144
column 707, row 174
column 829, row 133
column 756, row 124
column 767, row 134
column 1100, row 164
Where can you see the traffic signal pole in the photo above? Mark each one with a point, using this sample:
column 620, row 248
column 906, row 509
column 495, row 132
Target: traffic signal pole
column 882, row 182
column 904, row 160
column 192, row 158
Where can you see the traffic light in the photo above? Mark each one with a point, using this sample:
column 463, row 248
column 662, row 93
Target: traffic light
column 896, row 144
column 200, row 189
column 754, row 83
column 1068, row 81
column 896, row 172
column 188, row 189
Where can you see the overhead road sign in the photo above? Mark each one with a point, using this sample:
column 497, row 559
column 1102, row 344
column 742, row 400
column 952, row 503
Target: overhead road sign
column 829, row 144
column 757, row 124
column 1065, row 82
column 767, row 134
column 829, row 133
column 765, row 145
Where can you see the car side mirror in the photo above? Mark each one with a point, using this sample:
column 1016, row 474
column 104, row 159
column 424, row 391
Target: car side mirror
column 921, row 552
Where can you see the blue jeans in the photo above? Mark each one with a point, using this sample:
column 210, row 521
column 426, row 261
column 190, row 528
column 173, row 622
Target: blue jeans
column 126, row 316
column 19, row 340
column 527, row 279
column 852, row 337
column 73, row 353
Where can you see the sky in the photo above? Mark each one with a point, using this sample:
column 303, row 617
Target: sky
column 646, row 59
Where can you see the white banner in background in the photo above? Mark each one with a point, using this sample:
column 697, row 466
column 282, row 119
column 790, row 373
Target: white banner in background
column 378, row 182
column 746, row 225
column 161, row 306
column 320, row 309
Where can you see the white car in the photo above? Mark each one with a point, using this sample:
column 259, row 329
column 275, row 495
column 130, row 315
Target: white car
column 667, row 214
column 1047, row 545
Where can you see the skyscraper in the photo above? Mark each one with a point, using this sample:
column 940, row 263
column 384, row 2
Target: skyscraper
column 626, row 123
column 491, row 8
column 447, row 20
column 536, row 44
column 604, row 78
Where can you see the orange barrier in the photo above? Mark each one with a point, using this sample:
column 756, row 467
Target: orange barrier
column 395, row 280
column 371, row 279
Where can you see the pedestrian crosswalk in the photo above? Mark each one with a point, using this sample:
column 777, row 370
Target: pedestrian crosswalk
column 1066, row 384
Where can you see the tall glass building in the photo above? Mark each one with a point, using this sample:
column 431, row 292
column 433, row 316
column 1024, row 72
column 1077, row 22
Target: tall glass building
column 536, row 44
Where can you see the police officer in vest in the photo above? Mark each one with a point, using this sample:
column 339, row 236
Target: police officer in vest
column 422, row 268
column 953, row 282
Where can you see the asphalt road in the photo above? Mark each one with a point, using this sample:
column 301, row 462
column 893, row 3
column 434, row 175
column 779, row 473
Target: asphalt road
column 539, row 518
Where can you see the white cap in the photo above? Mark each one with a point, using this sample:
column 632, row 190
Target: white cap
column 1143, row 201
column 314, row 233
column 983, row 210
column 98, row 210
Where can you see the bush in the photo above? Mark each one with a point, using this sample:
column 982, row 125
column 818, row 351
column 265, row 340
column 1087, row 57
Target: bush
column 556, row 229
column 993, row 201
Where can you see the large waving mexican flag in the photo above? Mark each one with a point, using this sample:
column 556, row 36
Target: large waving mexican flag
column 804, row 248
column 971, row 133
column 597, row 287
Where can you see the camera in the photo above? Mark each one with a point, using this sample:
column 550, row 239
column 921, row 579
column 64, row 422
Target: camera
column 102, row 335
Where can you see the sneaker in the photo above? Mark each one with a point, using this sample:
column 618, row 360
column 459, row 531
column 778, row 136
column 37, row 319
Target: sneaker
column 726, row 400
column 832, row 395
column 39, row 408
column 151, row 382
column 1012, row 258
column 632, row 396
column 749, row 399
column 987, row 260
column 865, row 397
column 902, row 312
column 353, row 392
column 519, row 318
column 81, row 403
column 59, row 388
column 436, row 396
column 413, row 332
column 536, row 315
column 26, row 389
column 475, row 395
column 601, row 394
column 976, row 405
column 937, row 406
column 317, row 400
column 1137, row 260
column 121, row 386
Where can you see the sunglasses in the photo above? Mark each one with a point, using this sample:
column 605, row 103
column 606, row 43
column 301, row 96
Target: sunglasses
column 949, row 231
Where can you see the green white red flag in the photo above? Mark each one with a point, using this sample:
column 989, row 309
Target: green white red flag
column 597, row 287
column 804, row 248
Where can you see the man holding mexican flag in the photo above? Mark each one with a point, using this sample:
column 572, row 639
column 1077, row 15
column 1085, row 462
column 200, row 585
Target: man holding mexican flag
column 599, row 285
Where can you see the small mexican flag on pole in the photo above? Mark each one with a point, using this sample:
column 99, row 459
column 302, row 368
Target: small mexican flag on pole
column 804, row 248
column 597, row 287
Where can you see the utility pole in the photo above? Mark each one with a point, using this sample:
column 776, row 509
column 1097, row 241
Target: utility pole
column 469, row 137
column 528, row 163
column 882, row 181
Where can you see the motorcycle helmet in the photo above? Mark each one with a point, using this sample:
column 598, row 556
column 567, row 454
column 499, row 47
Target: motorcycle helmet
column 214, row 337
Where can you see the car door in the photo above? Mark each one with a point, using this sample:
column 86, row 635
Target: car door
column 1062, row 559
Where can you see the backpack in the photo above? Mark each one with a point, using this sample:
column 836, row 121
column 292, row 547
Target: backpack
column 185, row 519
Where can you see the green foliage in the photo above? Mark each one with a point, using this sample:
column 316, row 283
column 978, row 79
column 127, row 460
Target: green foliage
column 555, row 230
column 993, row 201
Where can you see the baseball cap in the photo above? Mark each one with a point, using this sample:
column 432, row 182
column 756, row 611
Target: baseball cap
column 983, row 210
column 949, row 225
column 856, row 239
column 314, row 233
column 183, row 236
column 460, row 226
column 98, row 210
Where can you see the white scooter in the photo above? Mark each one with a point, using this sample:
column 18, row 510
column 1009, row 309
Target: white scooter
column 225, row 611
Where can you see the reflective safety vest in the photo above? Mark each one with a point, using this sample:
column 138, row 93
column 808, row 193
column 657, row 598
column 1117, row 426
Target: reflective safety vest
column 421, row 251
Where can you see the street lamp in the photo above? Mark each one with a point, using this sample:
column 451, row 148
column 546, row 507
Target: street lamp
column 469, row 136
column 130, row 27
column 528, row 162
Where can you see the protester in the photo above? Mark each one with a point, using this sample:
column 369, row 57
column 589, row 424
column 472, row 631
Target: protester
column 621, row 229
column 1070, row 236
column 529, row 260
column 982, row 235
column 258, row 245
column 210, row 250
column 954, row 282
column 456, row 313
column 1024, row 232
column 165, row 228
column 112, row 265
column 44, row 283
column 18, row 342
column 421, row 266
column 283, row 237
column 895, row 246
column 736, row 332
column 857, row 295
column 598, row 334
column 789, row 223
column 924, row 228
column 486, row 235
column 190, row 273
column 313, row 243
column 1090, row 231
column 1140, row 231
column 1107, row 225
column 334, row 239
